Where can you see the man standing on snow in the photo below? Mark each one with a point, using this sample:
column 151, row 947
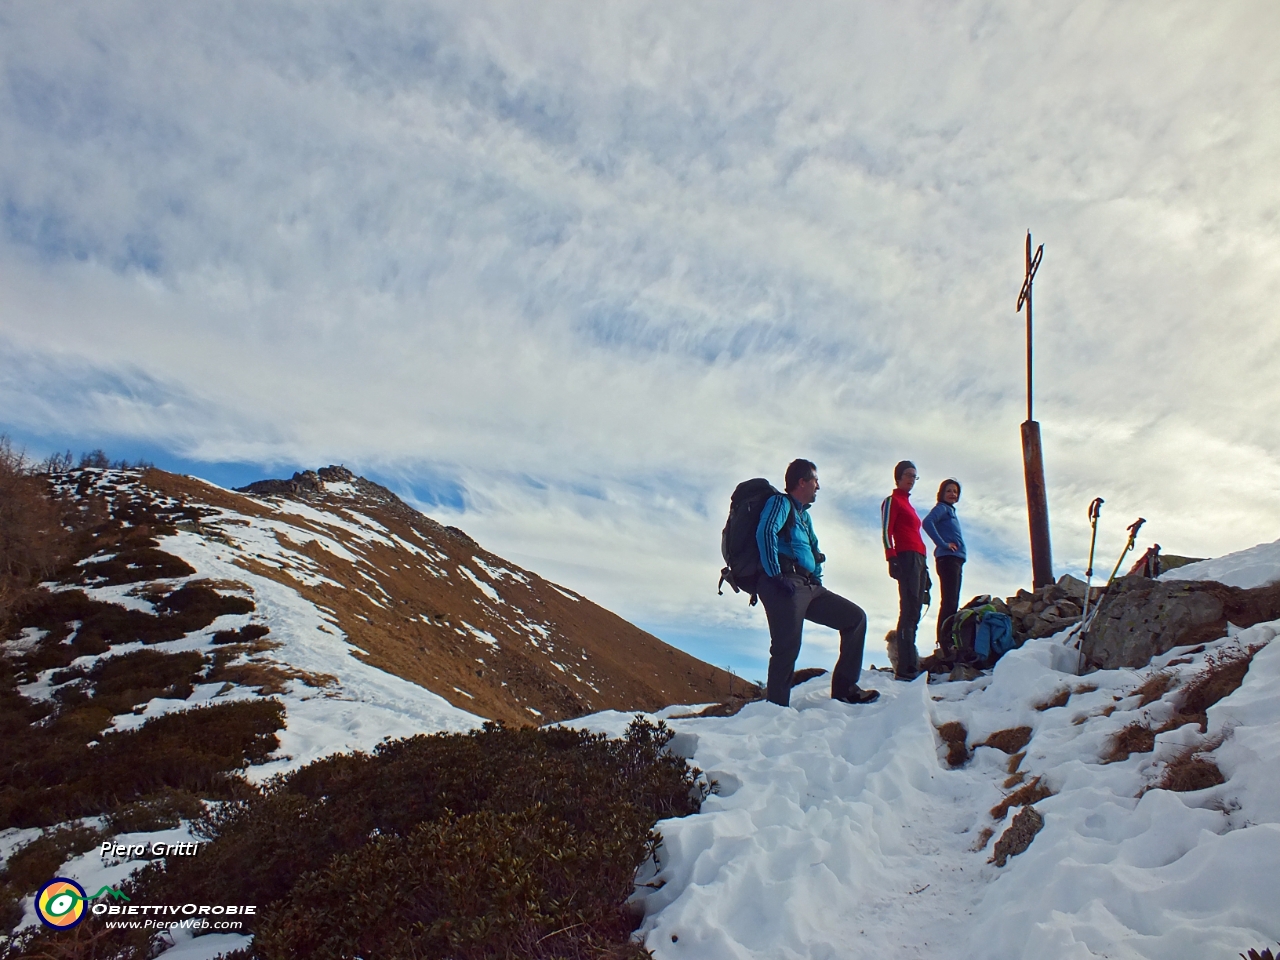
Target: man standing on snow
column 792, row 591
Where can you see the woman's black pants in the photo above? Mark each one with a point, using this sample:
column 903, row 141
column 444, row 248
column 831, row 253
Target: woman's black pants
column 950, row 570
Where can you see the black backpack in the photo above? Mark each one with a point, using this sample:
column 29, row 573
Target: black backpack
column 738, row 541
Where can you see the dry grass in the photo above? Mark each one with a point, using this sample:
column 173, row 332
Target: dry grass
column 1033, row 792
column 268, row 678
column 1013, row 781
column 984, row 837
column 1018, row 837
column 1059, row 699
column 1222, row 676
column 1189, row 771
column 1154, row 687
column 954, row 735
column 1011, row 740
column 1135, row 738
column 1015, row 761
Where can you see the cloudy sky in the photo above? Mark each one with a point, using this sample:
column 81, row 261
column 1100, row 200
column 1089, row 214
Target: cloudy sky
column 563, row 273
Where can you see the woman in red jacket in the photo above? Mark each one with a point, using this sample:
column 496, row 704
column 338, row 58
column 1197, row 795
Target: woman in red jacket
column 905, row 551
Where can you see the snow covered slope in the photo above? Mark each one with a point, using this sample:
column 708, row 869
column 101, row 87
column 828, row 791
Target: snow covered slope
column 843, row 831
column 1254, row 567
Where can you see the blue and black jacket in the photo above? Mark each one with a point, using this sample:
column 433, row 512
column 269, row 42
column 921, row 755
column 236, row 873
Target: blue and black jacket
column 943, row 527
column 799, row 543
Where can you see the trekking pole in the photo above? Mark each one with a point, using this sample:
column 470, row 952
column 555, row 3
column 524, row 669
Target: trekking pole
column 1133, row 535
column 1095, row 511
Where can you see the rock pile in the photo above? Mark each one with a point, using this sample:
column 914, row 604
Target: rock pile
column 1049, row 609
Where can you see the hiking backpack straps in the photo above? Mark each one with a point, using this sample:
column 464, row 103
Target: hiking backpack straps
column 738, row 540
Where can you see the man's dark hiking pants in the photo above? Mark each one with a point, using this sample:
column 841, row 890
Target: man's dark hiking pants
column 787, row 615
column 912, row 570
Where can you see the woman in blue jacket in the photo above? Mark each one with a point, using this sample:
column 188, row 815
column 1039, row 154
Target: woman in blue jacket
column 943, row 527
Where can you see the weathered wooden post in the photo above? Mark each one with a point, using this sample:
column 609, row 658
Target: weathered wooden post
column 1032, row 455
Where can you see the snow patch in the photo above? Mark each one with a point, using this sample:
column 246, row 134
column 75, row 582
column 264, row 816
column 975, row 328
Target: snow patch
column 1246, row 569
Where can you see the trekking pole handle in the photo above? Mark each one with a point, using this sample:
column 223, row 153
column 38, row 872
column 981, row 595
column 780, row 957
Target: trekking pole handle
column 1133, row 535
column 1095, row 511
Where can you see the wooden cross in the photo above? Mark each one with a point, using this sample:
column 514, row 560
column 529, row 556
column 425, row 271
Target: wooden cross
column 1033, row 264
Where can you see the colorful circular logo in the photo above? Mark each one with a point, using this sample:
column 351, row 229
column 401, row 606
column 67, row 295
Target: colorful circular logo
column 60, row 903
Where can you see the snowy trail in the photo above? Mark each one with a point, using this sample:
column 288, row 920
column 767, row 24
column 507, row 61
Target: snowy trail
column 840, row 831
column 868, row 838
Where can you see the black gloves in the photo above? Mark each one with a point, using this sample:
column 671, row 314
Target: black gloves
column 893, row 567
column 784, row 585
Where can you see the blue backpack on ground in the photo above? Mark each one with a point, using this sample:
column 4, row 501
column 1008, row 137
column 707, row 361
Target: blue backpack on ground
column 979, row 634
column 992, row 638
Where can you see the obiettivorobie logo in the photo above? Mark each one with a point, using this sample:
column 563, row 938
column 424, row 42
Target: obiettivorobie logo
column 60, row 904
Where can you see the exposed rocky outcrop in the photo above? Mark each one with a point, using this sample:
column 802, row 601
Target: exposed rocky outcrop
column 1139, row 618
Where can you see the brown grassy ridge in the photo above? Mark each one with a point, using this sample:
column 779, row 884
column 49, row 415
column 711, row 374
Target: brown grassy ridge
column 416, row 635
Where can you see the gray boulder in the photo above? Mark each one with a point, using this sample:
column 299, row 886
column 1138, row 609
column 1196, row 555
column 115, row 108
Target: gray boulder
column 1139, row 618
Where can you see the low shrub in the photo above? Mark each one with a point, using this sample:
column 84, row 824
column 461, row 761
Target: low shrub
column 191, row 607
column 136, row 565
column 38, row 861
column 55, row 775
column 123, row 682
column 246, row 634
column 498, row 843
column 483, row 885
column 160, row 811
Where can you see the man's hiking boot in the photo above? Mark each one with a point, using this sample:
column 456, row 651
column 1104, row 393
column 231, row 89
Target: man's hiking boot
column 906, row 676
column 858, row 695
